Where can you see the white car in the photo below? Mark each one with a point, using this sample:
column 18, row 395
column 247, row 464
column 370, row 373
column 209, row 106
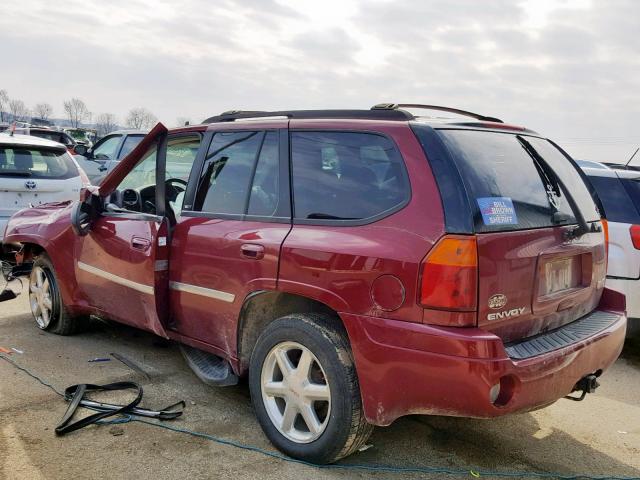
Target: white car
column 619, row 192
column 34, row 171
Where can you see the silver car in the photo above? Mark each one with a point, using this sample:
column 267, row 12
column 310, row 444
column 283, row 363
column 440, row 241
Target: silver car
column 100, row 159
column 34, row 171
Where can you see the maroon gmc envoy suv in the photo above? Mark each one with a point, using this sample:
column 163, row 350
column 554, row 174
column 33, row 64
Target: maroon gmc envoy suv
column 355, row 265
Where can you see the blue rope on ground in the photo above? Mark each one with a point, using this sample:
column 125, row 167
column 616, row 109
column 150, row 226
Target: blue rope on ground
column 344, row 466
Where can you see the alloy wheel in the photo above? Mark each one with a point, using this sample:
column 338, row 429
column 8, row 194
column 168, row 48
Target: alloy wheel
column 295, row 392
column 40, row 299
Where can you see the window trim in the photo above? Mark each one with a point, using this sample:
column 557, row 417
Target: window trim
column 348, row 223
column 283, row 212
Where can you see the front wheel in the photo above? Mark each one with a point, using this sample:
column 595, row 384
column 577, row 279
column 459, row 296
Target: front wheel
column 46, row 302
column 305, row 391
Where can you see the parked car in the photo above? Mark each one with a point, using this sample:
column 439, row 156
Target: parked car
column 619, row 192
column 356, row 265
column 81, row 135
column 34, row 171
column 100, row 159
column 50, row 134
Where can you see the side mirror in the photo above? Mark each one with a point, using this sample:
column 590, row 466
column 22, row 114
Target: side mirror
column 85, row 210
column 81, row 149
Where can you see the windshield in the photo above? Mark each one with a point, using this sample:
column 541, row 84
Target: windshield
column 509, row 189
column 30, row 162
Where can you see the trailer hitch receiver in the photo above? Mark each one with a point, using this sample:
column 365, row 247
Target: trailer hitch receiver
column 586, row 384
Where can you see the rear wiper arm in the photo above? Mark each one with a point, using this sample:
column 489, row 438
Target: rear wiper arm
column 583, row 226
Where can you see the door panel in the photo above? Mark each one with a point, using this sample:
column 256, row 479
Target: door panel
column 122, row 266
column 122, row 270
column 215, row 264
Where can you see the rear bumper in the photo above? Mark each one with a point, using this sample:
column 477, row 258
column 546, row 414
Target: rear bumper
column 407, row 368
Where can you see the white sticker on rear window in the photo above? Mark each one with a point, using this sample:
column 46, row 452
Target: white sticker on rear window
column 497, row 211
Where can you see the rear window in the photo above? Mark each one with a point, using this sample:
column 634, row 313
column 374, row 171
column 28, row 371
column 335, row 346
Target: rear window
column 617, row 203
column 28, row 162
column 508, row 189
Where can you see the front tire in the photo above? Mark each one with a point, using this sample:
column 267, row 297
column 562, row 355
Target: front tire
column 45, row 300
column 305, row 391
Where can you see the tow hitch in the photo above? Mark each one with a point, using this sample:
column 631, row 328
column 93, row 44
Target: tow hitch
column 586, row 384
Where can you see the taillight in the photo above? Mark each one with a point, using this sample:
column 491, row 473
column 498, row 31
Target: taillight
column 634, row 230
column 450, row 275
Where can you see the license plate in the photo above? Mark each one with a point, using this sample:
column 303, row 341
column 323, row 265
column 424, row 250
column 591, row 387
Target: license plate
column 562, row 274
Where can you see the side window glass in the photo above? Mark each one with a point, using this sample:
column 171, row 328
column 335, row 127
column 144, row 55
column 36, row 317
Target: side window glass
column 107, row 149
column 224, row 183
column 615, row 199
column 265, row 187
column 346, row 176
column 129, row 144
column 181, row 153
column 143, row 174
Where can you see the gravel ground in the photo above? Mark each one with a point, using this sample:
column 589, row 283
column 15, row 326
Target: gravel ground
column 600, row 436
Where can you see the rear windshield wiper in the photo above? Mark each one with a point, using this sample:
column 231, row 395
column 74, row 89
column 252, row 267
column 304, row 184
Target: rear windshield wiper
column 583, row 226
column 327, row 216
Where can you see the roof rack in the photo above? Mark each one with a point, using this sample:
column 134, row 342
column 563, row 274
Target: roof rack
column 397, row 106
column 373, row 114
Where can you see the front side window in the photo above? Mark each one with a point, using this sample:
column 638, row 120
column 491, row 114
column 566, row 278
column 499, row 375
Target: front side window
column 346, row 176
column 129, row 144
column 224, row 183
column 106, row 149
column 27, row 162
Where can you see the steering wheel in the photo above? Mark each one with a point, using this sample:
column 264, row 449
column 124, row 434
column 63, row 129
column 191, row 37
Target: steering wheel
column 172, row 191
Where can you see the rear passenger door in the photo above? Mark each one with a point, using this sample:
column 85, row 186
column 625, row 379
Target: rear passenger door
column 226, row 243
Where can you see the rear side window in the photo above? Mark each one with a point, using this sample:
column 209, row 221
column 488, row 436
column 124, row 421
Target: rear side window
column 36, row 163
column 346, row 176
column 236, row 160
column 632, row 186
column 508, row 189
column 617, row 204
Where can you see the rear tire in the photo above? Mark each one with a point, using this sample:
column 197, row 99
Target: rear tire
column 46, row 303
column 313, row 413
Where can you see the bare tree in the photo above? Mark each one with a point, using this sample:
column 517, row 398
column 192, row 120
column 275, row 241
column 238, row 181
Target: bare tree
column 18, row 110
column 4, row 101
column 76, row 111
column 106, row 123
column 140, row 118
column 43, row 110
column 183, row 121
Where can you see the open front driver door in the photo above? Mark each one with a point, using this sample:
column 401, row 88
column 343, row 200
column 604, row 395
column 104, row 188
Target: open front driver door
column 122, row 261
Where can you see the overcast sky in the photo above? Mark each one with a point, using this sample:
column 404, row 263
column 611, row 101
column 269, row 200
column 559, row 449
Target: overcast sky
column 568, row 69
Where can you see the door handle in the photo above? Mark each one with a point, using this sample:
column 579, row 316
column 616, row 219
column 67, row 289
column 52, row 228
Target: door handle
column 253, row 251
column 140, row 243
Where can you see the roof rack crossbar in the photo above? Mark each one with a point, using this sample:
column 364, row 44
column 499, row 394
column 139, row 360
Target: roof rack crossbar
column 378, row 114
column 397, row 106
